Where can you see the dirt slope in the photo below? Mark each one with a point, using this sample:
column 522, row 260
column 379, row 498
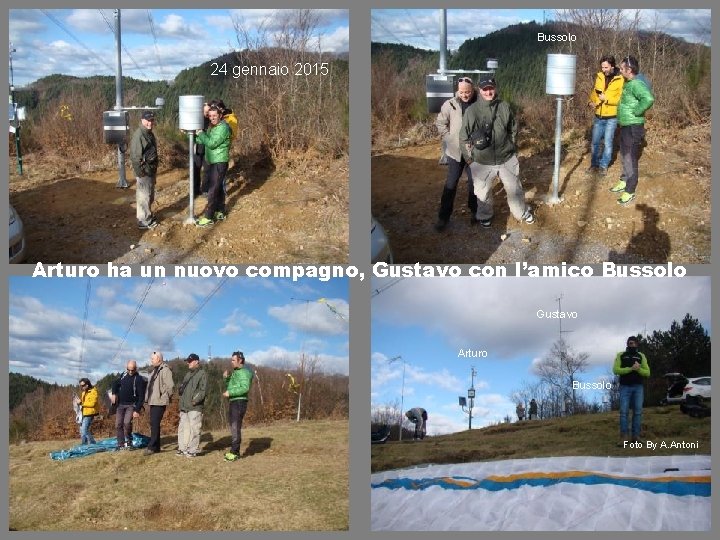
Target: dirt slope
column 292, row 214
column 668, row 221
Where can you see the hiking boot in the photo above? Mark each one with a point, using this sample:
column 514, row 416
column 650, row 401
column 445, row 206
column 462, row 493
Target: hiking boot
column 204, row 222
column 528, row 217
column 440, row 224
column 148, row 225
column 486, row 223
column 179, row 453
column 602, row 171
column 219, row 216
column 189, row 455
column 617, row 188
column 592, row 169
column 626, row 198
column 149, row 451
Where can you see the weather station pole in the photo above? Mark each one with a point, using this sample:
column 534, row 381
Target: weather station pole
column 471, row 396
column 443, row 41
column 559, row 82
column 555, row 198
column 122, row 182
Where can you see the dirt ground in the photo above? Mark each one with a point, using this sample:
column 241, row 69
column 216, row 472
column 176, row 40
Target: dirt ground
column 668, row 221
column 285, row 213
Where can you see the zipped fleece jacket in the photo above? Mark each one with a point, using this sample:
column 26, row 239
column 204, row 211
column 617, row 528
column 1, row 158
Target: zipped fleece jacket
column 217, row 142
column 162, row 386
column 623, row 367
column 502, row 147
column 143, row 152
column 636, row 98
column 238, row 383
column 194, row 389
column 607, row 108
column 448, row 124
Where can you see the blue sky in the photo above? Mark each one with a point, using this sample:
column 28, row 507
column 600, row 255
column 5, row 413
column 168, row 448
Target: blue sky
column 273, row 321
column 185, row 38
column 428, row 320
column 421, row 27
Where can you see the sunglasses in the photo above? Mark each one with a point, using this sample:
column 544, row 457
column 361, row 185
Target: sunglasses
column 465, row 79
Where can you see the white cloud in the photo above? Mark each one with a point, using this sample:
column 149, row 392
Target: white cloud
column 314, row 317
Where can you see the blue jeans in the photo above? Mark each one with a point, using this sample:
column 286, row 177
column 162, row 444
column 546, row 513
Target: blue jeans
column 631, row 395
column 85, row 435
column 603, row 130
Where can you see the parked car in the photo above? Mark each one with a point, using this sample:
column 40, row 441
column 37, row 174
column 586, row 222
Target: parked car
column 17, row 238
column 379, row 244
column 697, row 387
column 675, row 385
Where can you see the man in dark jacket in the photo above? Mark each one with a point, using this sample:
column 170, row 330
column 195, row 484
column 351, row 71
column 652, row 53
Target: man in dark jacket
column 128, row 393
column 144, row 159
column 192, row 398
column 487, row 140
column 632, row 366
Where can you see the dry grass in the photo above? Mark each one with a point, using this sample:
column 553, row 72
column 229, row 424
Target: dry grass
column 295, row 478
column 582, row 435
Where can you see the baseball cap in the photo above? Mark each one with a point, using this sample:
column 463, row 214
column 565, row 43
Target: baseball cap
column 148, row 115
column 487, row 82
column 191, row 357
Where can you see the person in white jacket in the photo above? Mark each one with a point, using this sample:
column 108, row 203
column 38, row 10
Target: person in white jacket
column 448, row 123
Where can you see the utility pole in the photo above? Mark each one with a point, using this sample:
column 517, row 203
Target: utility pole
column 402, row 392
column 471, row 395
column 122, row 182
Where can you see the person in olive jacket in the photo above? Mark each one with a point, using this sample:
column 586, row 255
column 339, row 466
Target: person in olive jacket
column 217, row 141
column 238, row 387
column 192, row 398
column 144, row 159
column 635, row 100
column 487, row 140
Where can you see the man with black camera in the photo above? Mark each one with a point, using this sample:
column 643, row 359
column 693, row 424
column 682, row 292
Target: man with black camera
column 487, row 140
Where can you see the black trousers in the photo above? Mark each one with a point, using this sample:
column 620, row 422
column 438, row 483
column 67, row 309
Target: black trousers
column 201, row 173
column 216, row 193
column 454, row 172
column 236, row 415
column 156, row 414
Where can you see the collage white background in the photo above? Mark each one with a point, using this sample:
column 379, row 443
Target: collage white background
column 359, row 245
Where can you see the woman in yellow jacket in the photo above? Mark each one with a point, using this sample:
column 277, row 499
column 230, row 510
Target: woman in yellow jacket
column 88, row 402
column 604, row 99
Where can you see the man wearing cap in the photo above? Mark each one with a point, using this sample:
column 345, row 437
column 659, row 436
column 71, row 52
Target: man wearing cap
column 237, row 387
column 632, row 366
column 487, row 140
column 418, row 416
column 192, row 398
column 128, row 393
column 157, row 397
column 144, row 159
column 448, row 124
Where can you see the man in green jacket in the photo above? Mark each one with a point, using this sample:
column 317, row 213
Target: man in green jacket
column 636, row 98
column 487, row 141
column 192, row 398
column 217, row 153
column 144, row 159
column 238, row 387
column 632, row 367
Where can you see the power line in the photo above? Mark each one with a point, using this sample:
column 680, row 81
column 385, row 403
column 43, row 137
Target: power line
column 69, row 33
column 134, row 317
column 197, row 310
column 383, row 27
column 85, row 317
column 112, row 29
column 414, row 22
column 155, row 40
column 387, row 286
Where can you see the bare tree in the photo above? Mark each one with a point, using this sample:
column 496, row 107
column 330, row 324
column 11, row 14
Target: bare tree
column 560, row 367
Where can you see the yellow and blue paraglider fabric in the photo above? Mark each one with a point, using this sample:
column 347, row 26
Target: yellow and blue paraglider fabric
column 569, row 493
column 103, row 445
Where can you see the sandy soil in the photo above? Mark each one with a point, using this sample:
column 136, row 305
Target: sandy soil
column 294, row 213
column 668, row 221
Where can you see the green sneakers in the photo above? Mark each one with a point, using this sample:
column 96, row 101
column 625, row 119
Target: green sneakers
column 229, row 456
column 204, row 222
column 219, row 216
column 617, row 188
column 626, row 198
